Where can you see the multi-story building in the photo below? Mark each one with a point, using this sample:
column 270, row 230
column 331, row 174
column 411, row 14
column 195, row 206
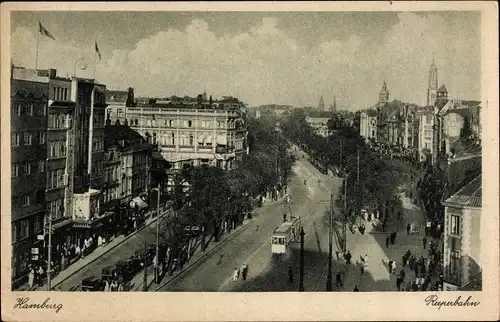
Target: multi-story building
column 117, row 101
column 425, row 117
column 129, row 163
column 192, row 131
column 318, row 121
column 368, row 125
column 29, row 97
column 462, row 236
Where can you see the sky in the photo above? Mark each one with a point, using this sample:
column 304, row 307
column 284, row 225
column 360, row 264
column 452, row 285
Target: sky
column 290, row 58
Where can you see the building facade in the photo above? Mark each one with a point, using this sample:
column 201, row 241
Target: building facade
column 368, row 125
column 462, row 236
column 29, row 98
column 192, row 131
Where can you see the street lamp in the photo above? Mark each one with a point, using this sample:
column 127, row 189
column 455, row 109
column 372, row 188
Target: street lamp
column 157, row 275
column 83, row 66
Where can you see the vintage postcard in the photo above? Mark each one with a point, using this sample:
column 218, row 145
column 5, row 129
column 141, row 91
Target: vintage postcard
column 250, row 161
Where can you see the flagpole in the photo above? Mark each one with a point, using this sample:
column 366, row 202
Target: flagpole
column 95, row 62
column 37, row 41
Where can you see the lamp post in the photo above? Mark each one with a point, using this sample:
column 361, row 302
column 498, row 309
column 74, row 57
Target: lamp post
column 82, row 67
column 144, row 259
column 330, row 255
column 157, row 273
column 301, row 271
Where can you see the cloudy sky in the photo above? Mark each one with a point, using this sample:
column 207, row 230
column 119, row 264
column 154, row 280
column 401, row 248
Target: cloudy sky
column 263, row 57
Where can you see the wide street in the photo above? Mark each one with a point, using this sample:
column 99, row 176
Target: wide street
column 251, row 245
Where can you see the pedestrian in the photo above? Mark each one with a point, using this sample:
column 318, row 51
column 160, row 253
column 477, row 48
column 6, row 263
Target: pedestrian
column 424, row 241
column 408, row 229
column 107, row 287
column 387, row 241
column 338, row 279
column 398, row 283
column 393, row 266
column 284, row 217
column 120, row 287
column 348, row 257
column 290, row 274
column 356, row 289
column 235, row 275
column 40, row 275
column 63, row 262
column 390, row 267
column 244, row 270
column 393, row 238
column 31, row 278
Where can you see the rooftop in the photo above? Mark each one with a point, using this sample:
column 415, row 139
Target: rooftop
column 469, row 195
column 124, row 138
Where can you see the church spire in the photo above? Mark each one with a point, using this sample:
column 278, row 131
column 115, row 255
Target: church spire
column 334, row 105
column 321, row 104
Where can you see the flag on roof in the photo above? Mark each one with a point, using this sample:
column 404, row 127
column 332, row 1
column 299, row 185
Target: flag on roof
column 97, row 51
column 44, row 31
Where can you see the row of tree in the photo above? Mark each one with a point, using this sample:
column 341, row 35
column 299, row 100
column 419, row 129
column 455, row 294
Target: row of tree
column 372, row 182
column 213, row 198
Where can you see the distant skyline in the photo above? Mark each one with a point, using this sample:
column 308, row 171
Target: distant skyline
column 290, row 58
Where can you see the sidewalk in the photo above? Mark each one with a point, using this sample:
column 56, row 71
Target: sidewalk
column 87, row 260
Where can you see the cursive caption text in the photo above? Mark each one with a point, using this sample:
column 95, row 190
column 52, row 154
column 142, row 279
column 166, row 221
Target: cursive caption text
column 433, row 300
column 24, row 303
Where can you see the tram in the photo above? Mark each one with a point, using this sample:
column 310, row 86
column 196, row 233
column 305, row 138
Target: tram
column 284, row 236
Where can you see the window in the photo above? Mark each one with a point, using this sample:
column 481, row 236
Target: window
column 41, row 137
column 28, row 168
column 190, row 123
column 170, row 123
column 455, row 263
column 30, row 109
column 455, row 225
column 136, row 122
column 119, row 112
column 24, row 230
column 28, row 138
column 173, row 138
column 16, row 109
column 15, row 139
column 191, row 140
column 15, row 170
column 40, row 196
column 14, row 235
column 65, row 94
column 37, row 227
column 25, row 200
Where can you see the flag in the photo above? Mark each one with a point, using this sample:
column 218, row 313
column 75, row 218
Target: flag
column 97, row 51
column 44, row 31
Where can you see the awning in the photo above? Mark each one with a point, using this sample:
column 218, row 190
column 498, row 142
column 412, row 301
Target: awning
column 201, row 138
column 137, row 201
column 60, row 224
column 209, row 139
column 221, row 140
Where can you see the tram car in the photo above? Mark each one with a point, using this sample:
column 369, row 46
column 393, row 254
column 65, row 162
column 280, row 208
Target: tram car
column 284, row 236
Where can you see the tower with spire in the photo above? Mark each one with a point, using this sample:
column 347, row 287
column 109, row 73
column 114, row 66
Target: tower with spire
column 334, row 108
column 433, row 84
column 383, row 95
column 321, row 106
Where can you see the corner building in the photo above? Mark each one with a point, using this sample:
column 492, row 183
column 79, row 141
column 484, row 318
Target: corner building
column 191, row 131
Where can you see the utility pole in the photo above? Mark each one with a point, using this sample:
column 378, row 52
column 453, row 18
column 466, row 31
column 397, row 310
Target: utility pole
column 330, row 255
column 157, row 262
column 145, row 281
column 49, row 255
column 344, row 248
column 301, row 272
column 358, row 199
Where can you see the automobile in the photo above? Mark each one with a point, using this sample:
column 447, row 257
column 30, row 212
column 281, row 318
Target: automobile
column 92, row 284
column 109, row 273
column 193, row 231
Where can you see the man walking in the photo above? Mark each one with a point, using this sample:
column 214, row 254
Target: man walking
column 424, row 241
column 348, row 257
column 290, row 274
column 338, row 280
column 387, row 241
column 390, row 267
column 408, row 226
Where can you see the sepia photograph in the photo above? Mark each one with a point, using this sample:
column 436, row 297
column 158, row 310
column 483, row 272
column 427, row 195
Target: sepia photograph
column 248, row 152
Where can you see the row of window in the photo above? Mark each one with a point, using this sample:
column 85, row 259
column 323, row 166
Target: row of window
column 97, row 144
column 29, row 199
column 140, row 159
column 27, row 168
column 21, row 229
column 56, row 208
column 56, row 149
column 29, row 108
column 98, row 120
column 181, row 123
column 58, row 121
column 27, row 138
column 60, row 94
column 56, row 179
column 111, row 174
